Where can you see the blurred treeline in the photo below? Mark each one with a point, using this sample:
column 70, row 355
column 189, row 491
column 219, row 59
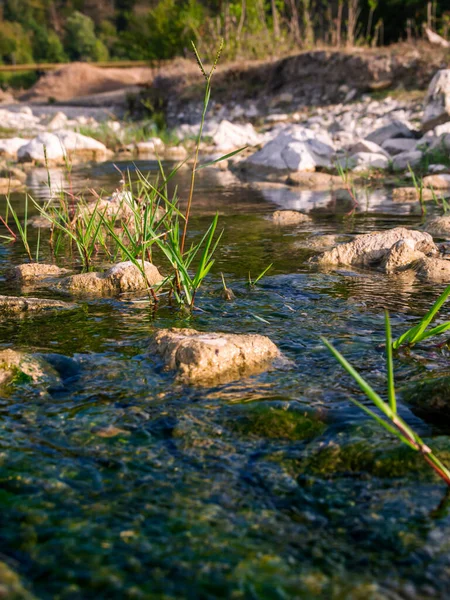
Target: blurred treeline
column 99, row 30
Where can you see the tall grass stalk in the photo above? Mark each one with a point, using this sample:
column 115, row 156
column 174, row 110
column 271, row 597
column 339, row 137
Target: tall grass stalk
column 208, row 77
column 392, row 421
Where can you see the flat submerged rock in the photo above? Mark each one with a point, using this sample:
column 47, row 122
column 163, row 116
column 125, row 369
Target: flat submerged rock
column 19, row 305
column 210, row 358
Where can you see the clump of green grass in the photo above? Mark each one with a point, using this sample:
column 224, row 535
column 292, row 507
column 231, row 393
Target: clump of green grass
column 392, row 421
column 146, row 220
column 421, row 331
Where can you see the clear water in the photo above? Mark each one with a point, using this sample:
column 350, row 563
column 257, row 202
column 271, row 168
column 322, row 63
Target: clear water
column 274, row 486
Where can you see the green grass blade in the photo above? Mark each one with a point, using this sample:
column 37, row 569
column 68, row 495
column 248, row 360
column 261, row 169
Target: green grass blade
column 390, row 364
column 365, row 387
column 217, row 160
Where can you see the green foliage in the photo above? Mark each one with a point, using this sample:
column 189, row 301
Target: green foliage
column 15, row 46
column 392, row 422
column 81, row 40
column 421, row 331
column 47, row 47
column 165, row 32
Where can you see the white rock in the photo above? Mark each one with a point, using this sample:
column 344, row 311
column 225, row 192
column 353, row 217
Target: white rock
column 9, row 147
column 394, row 129
column 398, row 145
column 55, row 146
column 152, row 146
column 437, row 101
column 295, row 148
column 231, row 136
column 406, row 159
column 59, row 121
column 44, row 145
column 367, row 146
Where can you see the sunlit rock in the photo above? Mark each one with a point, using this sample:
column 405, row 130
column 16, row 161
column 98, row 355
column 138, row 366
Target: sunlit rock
column 401, row 256
column 437, row 182
column 439, row 227
column 18, row 305
column 436, row 270
column 10, row 185
column 55, row 147
column 289, row 217
column 370, row 249
column 10, row 147
column 208, row 358
column 123, row 277
column 295, row 148
column 31, row 272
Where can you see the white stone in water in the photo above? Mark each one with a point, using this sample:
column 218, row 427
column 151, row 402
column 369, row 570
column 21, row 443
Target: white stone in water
column 295, row 148
column 55, row 146
column 211, row 358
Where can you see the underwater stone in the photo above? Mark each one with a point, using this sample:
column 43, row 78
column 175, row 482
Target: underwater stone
column 20, row 305
column 20, row 367
column 289, row 217
column 208, row 358
column 370, row 249
column 123, row 277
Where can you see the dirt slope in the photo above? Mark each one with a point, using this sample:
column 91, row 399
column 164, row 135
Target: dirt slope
column 82, row 79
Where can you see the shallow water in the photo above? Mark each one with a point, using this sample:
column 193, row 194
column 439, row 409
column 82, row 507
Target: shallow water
column 274, row 486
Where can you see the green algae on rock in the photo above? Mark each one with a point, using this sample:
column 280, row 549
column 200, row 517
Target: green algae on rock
column 18, row 367
column 11, row 587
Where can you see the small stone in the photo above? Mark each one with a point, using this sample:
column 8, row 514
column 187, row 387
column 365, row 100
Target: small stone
column 398, row 145
column 108, row 432
column 121, row 278
column 211, row 358
column 289, row 217
column 437, row 182
column 439, row 227
column 10, row 185
column 30, row 272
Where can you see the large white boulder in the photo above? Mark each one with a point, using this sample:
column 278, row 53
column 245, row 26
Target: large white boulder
column 231, row 136
column 295, row 148
column 56, row 146
column 437, row 102
column 10, row 146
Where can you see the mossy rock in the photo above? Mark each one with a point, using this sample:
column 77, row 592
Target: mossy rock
column 430, row 396
column 19, row 368
column 365, row 449
column 11, row 587
column 266, row 421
